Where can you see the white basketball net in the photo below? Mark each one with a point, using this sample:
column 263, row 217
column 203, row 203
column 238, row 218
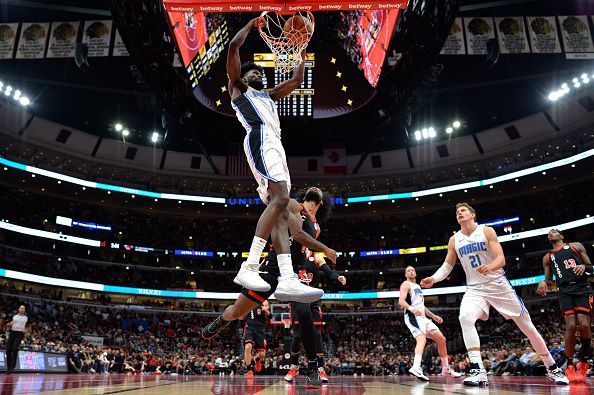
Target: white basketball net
column 287, row 52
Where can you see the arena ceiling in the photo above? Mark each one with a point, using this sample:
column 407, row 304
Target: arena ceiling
column 138, row 90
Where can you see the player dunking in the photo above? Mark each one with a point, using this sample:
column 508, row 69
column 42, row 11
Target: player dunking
column 254, row 336
column 572, row 267
column 308, row 269
column 303, row 232
column 416, row 319
column 257, row 112
column 482, row 259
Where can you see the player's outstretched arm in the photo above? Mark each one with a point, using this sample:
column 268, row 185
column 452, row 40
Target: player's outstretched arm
column 234, row 61
column 327, row 270
column 444, row 271
column 496, row 251
column 300, row 236
column 548, row 273
column 288, row 86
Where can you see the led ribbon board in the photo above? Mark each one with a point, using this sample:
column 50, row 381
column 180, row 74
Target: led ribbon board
column 358, row 199
column 402, row 251
column 108, row 187
column 226, row 295
column 475, row 184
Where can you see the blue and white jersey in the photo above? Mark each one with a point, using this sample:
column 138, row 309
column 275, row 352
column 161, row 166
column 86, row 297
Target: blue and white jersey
column 473, row 251
column 415, row 297
column 255, row 109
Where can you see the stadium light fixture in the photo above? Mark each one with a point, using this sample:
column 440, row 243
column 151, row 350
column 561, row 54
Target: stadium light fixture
column 118, row 127
column 155, row 137
column 456, row 124
column 425, row 133
column 449, row 130
column 432, row 133
column 125, row 132
column 24, row 100
column 418, row 135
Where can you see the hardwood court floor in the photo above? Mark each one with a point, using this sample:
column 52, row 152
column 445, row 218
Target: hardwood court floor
column 150, row 385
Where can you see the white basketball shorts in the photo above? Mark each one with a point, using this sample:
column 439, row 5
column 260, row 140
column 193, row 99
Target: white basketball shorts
column 498, row 294
column 266, row 157
column 418, row 325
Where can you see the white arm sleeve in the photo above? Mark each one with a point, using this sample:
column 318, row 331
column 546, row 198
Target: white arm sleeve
column 443, row 272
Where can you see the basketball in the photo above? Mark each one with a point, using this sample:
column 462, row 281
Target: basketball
column 298, row 30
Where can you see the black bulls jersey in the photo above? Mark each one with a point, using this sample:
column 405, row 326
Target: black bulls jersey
column 256, row 318
column 311, row 227
column 562, row 261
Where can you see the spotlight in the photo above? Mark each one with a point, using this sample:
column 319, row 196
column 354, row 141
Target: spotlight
column 574, row 80
column 8, row 88
column 24, row 100
column 432, row 132
column 577, row 84
column 155, row 137
column 564, row 86
column 118, row 127
column 8, row 92
column 17, row 94
column 553, row 96
column 449, row 130
column 584, row 76
column 418, row 135
column 1, row 84
column 125, row 132
column 456, row 124
column 425, row 133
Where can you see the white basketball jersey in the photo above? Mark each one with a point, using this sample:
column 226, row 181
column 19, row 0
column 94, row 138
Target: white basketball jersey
column 415, row 297
column 255, row 109
column 473, row 251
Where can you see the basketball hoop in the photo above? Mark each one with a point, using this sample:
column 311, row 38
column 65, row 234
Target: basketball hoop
column 286, row 36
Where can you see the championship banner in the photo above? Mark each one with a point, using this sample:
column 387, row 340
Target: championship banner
column 8, row 32
column 32, row 41
column 478, row 31
column 454, row 44
column 119, row 48
column 543, row 34
column 577, row 40
column 97, row 35
column 62, row 42
column 511, row 34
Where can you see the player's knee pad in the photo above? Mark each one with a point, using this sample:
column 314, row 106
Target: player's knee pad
column 469, row 332
column 466, row 320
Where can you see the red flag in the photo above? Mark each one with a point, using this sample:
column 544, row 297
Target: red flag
column 335, row 160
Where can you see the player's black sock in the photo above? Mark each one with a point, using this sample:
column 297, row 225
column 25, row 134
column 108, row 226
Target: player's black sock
column 320, row 361
column 585, row 351
column 295, row 359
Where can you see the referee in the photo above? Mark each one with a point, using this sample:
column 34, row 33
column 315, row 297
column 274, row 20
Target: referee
column 17, row 328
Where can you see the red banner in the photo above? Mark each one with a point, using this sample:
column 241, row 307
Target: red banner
column 279, row 5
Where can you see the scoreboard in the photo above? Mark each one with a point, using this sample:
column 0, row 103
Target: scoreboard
column 208, row 54
column 299, row 102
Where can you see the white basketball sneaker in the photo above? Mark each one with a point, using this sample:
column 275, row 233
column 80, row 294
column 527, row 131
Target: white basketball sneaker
column 477, row 376
column 290, row 289
column 450, row 373
column 249, row 277
column 418, row 372
column 557, row 376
